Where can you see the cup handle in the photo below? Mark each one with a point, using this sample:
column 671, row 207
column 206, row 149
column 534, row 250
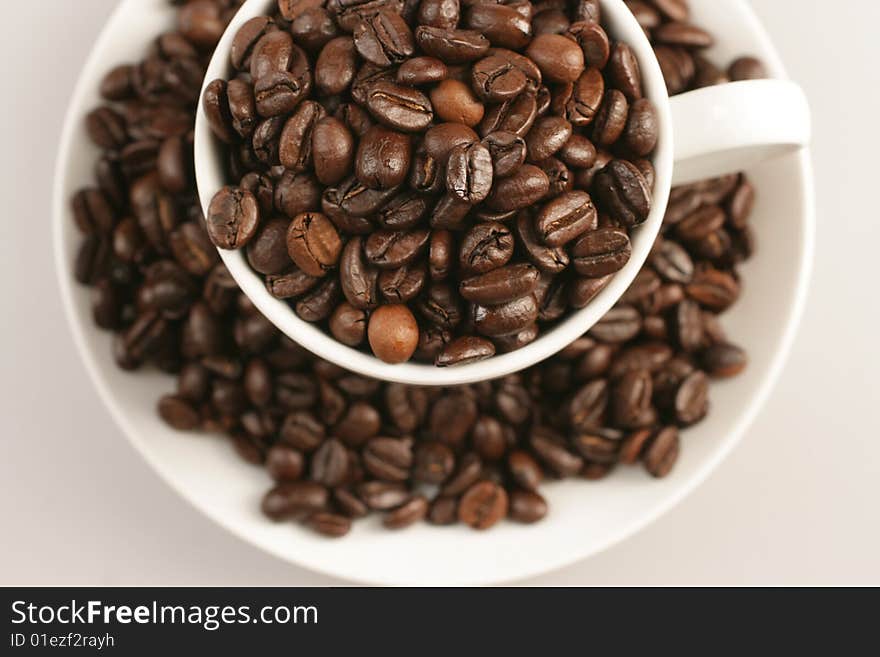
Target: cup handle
column 731, row 127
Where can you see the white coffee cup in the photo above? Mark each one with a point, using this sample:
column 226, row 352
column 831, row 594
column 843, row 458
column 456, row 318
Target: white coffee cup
column 703, row 133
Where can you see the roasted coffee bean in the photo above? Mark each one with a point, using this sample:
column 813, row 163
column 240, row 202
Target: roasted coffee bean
column 382, row 496
column 692, row 399
column 611, row 119
column 525, row 187
column 624, row 72
column 421, row 70
column 388, row 459
column 507, row 318
column 483, row 505
column 508, row 152
column 284, row 463
column 92, row 212
column 389, row 249
column 295, row 499
column 594, row 42
column 500, row 285
column 348, row 324
column 642, row 129
column 485, row 247
column 713, row 289
column 440, row 254
column 747, row 68
column 524, row 470
column 550, row 448
column 620, row 324
column 455, row 102
column 332, row 149
column 278, row 93
column 547, row 259
column 443, row 511
column 566, row 218
column 359, row 280
column 399, row 107
column 409, row 513
column 233, row 218
column 547, row 136
column 559, row 58
column 319, row 302
column 721, row 361
column 290, row 284
column 469, row 173
column 393, row 333
column 383, row 158
column 329, row 524
column 403, row 284
column 440, row 306
column 515, row 116
column 631, row 400
column 527, row 506
column 464, row 350
column 496, row 79
column 383, row 39
column 336, row 65
column 267, row 251
column 624, row 193
column 581, row 291
column 450, row 45
column 503, row 25
column 601, row 252
column 452, row 417
column 313, row 243
column 662, row 452
column 438, row 13
column 295, row 147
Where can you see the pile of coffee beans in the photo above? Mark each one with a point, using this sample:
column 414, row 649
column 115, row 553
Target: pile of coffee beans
column 339, row 446
column 432, row 179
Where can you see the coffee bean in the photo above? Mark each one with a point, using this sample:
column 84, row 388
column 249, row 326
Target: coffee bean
column 469, row 173
column 348, row 324
column 383, row 38
column 508, row 152
column 295, row 499
column 295, row 148
column 722, row 361
column 559, row 58
column 383, row 158
column 601, row 252
column 464, row 350
column 485, row 247
column 402, row 108
column 421, row 70
column 624, row 193
column 527, row 506
column 496, row 79
column 620, row 324
column 662, row 452
column 642, row 129
column 233, row 218
column 451, row 420
column 382, row 496
column 329, row 524
column 747, row 68
column 313, row 243
column 515, row 116
column 409, row 513
column 454, row 101
column 450, row 45
column 483, row 505
column 565, row 218
column 526, row 186
column 393, row 333
column 501, row 24
column 549, row 447
column 336, row 65
column 624, row 72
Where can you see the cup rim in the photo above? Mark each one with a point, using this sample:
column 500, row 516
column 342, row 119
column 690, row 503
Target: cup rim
column 210, row 177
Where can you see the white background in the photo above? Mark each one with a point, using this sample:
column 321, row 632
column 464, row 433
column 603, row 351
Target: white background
column 796, row 503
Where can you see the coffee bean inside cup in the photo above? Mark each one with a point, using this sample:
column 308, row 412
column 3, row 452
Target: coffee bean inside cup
column 404, row 148
column 338, row 446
